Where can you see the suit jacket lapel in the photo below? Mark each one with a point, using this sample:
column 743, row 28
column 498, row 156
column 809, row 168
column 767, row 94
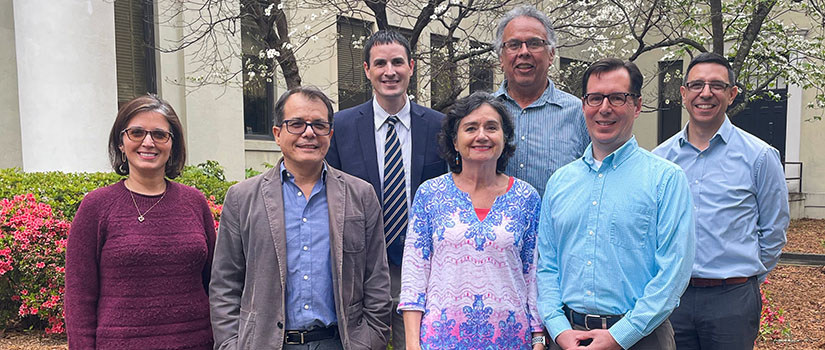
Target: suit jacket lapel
column 274, row 205
column 418, row 130
column 336, row 205
column 366, row 134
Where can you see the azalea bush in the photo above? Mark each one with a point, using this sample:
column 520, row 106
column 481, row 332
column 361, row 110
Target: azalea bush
column 772, row 323
column 32, row 263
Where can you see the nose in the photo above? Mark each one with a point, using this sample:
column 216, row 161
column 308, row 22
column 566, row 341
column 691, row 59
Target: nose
column 605, row 107
column 148, row 140
column 706, row 92
column 309, row 132
column 522, row 50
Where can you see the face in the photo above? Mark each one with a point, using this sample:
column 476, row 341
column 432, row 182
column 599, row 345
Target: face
column 610, row 126
column 524, row 68
column 306, row 149
column 708, row 107
column 146, row 156
column 480, row 137
column 389, row 70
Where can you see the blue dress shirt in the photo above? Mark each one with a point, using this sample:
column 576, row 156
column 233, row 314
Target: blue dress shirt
column 550, row 133
column 740, row 198
column 310, row 301
column 617, row 239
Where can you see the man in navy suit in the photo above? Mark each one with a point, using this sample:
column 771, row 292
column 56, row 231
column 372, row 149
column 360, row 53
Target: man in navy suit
column 371, row 136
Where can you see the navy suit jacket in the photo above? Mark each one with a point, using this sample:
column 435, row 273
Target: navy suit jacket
column 352, row 147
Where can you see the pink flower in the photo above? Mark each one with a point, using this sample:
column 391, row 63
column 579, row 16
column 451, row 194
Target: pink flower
column 40, row 265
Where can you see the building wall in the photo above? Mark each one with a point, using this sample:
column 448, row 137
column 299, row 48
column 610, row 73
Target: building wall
column 11, row 155
column 66, row 83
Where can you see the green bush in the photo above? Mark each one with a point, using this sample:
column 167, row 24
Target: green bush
column 64, row 191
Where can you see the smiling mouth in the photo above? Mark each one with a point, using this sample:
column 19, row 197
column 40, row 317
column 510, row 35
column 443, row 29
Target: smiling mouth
column 308, row 147
column 147, row 154
column 524, row 66
column 605, row 122
column 704, row 106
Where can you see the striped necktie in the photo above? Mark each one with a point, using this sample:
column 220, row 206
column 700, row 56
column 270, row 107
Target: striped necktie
column 395, row 194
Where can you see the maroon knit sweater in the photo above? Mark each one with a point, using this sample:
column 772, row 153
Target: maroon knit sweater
column 139, row 285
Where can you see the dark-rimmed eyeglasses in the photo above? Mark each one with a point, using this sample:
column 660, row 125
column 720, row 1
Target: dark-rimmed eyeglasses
column 533, row 45
column 699, row 85
column 298, row 126
column 616, row 99
column 137, row 134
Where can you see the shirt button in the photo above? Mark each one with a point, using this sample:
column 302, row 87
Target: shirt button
column 522, row 137
column 521, row 165
column 306, row 248
column 306, row 277
column 304, row 219
column 300, row 194
column 614, row 167
column 592, row 233
column 306, row 306
column 696, row 182
column 588, row 293
column 589, row 263
column 595, row 203
column 601, row 175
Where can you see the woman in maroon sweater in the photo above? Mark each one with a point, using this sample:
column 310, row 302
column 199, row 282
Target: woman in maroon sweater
column 140, row 251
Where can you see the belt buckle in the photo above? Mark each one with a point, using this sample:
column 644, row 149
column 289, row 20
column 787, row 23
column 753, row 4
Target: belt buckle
column 588, row 316
column 301, row 342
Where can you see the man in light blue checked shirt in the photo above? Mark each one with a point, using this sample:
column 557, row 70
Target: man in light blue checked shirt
column 741, row 204
column 616, row 233
column 549, row 125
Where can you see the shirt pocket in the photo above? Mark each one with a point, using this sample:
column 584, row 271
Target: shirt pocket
column 354, row 234
column 629, row 226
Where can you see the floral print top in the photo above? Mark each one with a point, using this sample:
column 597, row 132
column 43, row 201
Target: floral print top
column 475, row 281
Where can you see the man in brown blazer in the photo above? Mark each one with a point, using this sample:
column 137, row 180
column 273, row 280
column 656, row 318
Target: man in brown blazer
column 299, row 261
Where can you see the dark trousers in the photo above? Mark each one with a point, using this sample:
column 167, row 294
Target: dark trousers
column 328, row 344
column 397, row 325
column 660, row 339
column 723, row 317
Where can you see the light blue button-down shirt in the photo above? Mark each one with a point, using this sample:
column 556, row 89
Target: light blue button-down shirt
column 740, row 198
column 550, row 133
column 309, row 295
column 616, row 239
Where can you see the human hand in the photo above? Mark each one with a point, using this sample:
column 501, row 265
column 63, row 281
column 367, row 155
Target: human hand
column 569, row 339
column 601, row 340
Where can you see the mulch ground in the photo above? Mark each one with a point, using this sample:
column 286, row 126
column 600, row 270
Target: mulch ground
column 798, row 290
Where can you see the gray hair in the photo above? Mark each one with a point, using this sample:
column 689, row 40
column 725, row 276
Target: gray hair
column 525, row 11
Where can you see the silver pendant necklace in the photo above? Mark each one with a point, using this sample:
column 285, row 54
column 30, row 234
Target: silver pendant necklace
column 142, row 216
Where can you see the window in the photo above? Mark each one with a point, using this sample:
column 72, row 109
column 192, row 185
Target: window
column 258, row 93
column 481, row 70
column 353, row 86
column 443, row 75
column 134, row 49
column 571, row 72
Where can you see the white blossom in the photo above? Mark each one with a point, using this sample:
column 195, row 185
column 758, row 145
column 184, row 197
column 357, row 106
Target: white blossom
column 268, row 10
column 272, row 53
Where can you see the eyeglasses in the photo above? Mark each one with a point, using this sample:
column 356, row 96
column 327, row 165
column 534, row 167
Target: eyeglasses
column 138, row 134
column 533, row 45
column 699, row 85
column 616, row 99
column 298, row 126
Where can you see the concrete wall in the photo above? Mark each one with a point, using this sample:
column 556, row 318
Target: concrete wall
column 66, row 83
column 11, row 155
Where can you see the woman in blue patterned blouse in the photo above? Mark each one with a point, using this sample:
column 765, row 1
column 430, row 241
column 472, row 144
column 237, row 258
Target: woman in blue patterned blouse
column 468, row 274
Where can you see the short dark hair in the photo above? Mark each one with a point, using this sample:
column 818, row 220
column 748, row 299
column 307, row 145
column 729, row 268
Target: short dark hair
column 605, row 65
column 463, row 107
column 147, row 103
column 711, row 57
column 384, row 37
column 311, row 92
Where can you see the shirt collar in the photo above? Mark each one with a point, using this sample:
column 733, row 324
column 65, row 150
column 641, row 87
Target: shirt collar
column 285, row 174
column 380, row 115
column 724, row 132
column 548, row 96
column 616, row 158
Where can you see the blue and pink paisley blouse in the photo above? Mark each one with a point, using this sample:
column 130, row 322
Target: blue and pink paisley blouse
column 475, row 281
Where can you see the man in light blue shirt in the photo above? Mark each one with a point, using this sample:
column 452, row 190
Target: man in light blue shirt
column 549, row 125
column 616, row 236
column 741, row 205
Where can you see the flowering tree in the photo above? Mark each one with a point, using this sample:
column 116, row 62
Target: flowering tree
column 766, row 40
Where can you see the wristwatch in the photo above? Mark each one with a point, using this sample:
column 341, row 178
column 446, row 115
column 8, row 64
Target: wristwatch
column 539, row 340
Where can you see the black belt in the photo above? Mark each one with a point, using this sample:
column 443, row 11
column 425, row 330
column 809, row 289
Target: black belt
column 303, row 337
column 711, row 282
column 589, row 321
